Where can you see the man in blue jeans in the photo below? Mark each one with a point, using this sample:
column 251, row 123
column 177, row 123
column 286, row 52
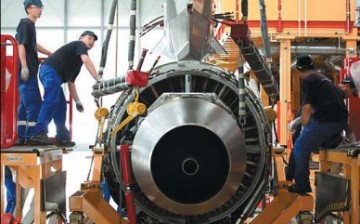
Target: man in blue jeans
column 323, row 115
column 63, row 66
column 30, row 98
column 348, row 89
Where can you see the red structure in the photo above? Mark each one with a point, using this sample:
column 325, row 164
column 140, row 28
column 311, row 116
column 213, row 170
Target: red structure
column 9, row 92
column 128, row 180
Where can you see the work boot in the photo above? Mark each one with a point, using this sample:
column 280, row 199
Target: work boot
column 289, row 173
column 41, row 139
column 65, row 143
column 299, row 189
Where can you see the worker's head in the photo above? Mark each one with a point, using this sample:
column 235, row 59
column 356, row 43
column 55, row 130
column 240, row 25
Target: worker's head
column 89, row 38
column 33, row 4
column 348, row 86
column 355, row 75
column 304, row 63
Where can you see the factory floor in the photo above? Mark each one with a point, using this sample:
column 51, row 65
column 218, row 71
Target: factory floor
column 77, row 164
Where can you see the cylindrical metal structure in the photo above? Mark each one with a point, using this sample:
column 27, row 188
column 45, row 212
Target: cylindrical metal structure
column 192, row 160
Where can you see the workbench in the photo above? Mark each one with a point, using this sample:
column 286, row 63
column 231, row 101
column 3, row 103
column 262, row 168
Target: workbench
column 32, row 164
column 349, row 158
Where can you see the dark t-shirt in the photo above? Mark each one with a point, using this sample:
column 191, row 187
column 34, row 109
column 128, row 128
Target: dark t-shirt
column 26, row 35
column 325, row 99
column 67, row 61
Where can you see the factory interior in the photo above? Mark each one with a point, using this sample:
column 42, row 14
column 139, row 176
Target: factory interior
column 184, row 112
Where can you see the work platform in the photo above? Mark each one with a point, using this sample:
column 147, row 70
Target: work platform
column 33, row 165
column 348, row 157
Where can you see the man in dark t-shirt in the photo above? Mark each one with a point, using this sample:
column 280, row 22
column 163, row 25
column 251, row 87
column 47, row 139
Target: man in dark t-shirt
column 63, row 66
column 346, row 90
column 323, row 116
column 29, row 93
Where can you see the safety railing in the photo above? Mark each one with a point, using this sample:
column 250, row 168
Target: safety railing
column 9, row 92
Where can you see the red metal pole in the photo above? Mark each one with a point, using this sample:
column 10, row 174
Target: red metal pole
column 128, row 180
column 70, row 116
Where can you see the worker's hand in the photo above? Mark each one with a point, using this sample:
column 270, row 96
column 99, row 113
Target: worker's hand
column 79, row 106
column 13, row 176
column 99, row 79
column 244, row 19
column 25, row 73
column 294, row 123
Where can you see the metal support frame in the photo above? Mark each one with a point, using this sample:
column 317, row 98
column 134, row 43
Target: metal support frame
column 284, row 207
column 351, row 167
column 31, row 166
column 278, row 156
column 89, row 200
column 285, row 90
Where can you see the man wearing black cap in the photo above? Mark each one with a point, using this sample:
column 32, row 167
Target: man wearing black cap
column 347, row 85
column 323, row 115
column 346, row 89
column 30, row 98
column 63, row 66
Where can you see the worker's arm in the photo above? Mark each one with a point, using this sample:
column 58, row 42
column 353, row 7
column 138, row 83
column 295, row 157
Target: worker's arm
column 75, row 96
column 73, row 91
column 24, row 73
column 90, row 66
column 305, row 114
column 244, row 10
column 350, row 135
column 22, row 55
column 43, row 50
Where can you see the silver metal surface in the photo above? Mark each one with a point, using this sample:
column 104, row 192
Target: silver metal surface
column 217, row 90
column 187, row 33
column 188, row 112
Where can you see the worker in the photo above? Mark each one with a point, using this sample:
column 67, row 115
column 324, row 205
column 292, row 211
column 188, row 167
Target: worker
column 29, row 93
column 10, row 191
column 323, row 116
column 63, row 66
column 348, row 89
column 355, row 75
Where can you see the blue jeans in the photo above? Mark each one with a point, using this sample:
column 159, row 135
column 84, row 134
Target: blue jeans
column 54, row 104
column 10, row 195
column 312, row 136
column 29, row 106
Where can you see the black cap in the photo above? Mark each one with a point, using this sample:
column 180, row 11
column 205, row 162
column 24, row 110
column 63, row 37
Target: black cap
column 349, row 80
column 89, row 33
column 38, row 3
column 304, row 62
